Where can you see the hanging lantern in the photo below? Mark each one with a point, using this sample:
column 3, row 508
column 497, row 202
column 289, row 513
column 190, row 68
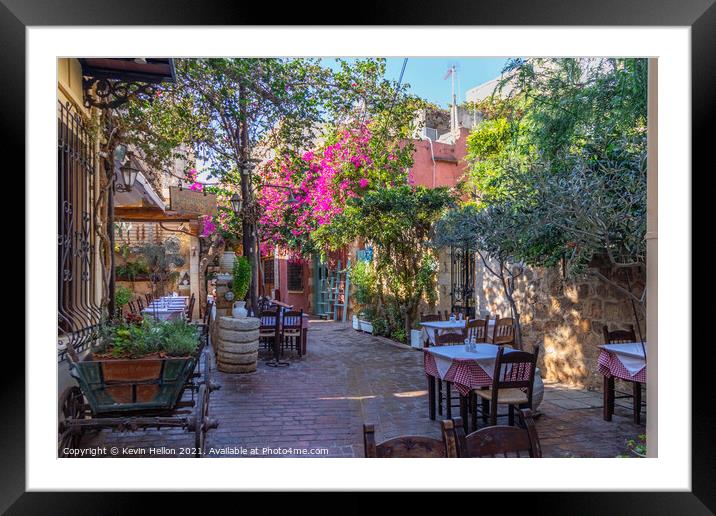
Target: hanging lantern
column 236, row 203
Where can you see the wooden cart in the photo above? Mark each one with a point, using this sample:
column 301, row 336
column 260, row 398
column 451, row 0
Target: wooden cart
column 128, row 395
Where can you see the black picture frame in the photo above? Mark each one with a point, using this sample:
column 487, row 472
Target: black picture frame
column 700, row 15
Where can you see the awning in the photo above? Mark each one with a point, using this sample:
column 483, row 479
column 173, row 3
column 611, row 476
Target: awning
column 136, row 69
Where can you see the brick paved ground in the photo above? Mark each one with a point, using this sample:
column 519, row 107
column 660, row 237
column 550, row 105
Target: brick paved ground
column 322, row 400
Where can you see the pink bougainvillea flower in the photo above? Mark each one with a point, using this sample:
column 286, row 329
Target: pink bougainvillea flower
column 363, row 182
column 307, row 156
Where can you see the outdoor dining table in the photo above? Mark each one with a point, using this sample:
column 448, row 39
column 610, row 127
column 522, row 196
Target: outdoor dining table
column 626, row 361
column 267, row 320
column 166, row 308
column 466, row 370
column 432, row 328
column 164, row 314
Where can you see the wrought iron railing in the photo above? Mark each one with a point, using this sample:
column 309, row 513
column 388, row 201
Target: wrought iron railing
column 462, row 280
column 78, row 313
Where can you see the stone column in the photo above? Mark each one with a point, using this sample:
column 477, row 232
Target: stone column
column 194, row 274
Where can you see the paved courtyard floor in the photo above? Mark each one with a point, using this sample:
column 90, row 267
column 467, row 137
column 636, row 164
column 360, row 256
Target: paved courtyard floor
column 320, row 402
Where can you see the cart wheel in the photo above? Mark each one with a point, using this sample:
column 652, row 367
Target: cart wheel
column 201, row 419
column 71, row 406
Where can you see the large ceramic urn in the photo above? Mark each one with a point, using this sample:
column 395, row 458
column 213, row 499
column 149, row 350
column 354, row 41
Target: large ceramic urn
column 226, row 262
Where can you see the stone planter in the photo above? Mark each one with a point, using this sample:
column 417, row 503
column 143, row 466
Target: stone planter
column 537, row 390
column 237, row 350
column 356, row 323
column 416, row 339
column 366, row 326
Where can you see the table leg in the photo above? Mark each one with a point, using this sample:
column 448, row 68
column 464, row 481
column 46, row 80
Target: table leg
column 448, row 401
column 608, row 397
column 463, row 411
column 440, row 396
column 636, row 386
column 304, row 341
column 473, row 409
column 431, row 396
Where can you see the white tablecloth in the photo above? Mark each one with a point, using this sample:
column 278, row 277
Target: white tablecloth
column 484, row 355
column 432, row 328
column 630, row 354
column 163, row 315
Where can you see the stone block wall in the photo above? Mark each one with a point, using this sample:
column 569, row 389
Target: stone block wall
column 563, row 317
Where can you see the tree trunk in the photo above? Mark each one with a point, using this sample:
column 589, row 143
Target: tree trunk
column 247, row 226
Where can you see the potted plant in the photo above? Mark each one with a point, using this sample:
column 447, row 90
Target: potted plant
column 122, row 296
column 138, row 363
column 416, row 336
column 241, row 279
column 362, row 277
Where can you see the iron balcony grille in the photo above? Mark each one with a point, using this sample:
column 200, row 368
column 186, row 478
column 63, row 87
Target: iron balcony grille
column 78, row 314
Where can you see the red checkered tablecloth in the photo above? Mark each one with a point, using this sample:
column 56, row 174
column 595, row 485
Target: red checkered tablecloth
column 610, row 365
column 464, row 374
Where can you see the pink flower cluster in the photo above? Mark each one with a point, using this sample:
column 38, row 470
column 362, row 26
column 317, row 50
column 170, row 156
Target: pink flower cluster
column 322, row 180
column 195, row 186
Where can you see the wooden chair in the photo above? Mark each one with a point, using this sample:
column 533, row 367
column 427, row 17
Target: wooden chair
column 269, row 326
column 502, row 441
column 447, row 339
column 476, row 330
column 610, row 393
column 148, row 296
column 132, row 309
column 190, row 308
column 140, row 304
column 429, row 317
column 504, row 332
column 411, row 446
column 204, row 324
column 292, row 329
column 512, row 385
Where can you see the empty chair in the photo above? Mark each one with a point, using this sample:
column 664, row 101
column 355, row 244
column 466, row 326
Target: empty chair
column 292, row 329
column 610, row 394
column 500, row 441
column 269, row 327
column 429, row 317
column 148, row 296
column 476, row 330
column 504, row 332
column 190, row 308
column 512, row 385
column 412, row 446
column 140, row 304
column 130, row 306
column 203, row 326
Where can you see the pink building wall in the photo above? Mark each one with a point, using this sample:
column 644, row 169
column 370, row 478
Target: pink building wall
column 449, row 164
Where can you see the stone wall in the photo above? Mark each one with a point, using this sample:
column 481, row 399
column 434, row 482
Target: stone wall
column 563, row 317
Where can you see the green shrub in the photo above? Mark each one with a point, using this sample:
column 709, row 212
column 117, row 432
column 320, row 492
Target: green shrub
column 363, row 279
column 241, row 278
column 122, row 296
column 124, row 340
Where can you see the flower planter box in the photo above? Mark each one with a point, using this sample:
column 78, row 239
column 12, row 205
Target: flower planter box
column 356, row 323
column 117, row 385
column 366, row 326
column 416, row 339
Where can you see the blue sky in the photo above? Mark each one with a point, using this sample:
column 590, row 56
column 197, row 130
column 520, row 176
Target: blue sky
column 425, row 74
